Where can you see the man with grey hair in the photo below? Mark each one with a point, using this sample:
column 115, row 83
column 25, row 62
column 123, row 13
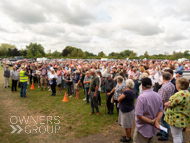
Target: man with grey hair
column 6, row 75
column 93, row 90
column 110, row 85
column 166, row 91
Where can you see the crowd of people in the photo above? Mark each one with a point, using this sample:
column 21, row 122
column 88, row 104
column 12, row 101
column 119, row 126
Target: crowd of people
column 159, row 88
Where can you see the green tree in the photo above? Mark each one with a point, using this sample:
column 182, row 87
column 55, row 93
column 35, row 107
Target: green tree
column 4, row 49
column 186, row 54
column 65, row 52
column 101, row 54
column 23, row 52
column 38, row 55
column 34, row 48
column 29, row 54
column 74, row 53
column 84, row 56
column 56, row 54
column 132, row 55
column 146, row 55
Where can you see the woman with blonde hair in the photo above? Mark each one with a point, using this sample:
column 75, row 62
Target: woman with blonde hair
column 52, row 80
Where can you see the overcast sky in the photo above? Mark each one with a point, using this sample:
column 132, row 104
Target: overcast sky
column 97, row 25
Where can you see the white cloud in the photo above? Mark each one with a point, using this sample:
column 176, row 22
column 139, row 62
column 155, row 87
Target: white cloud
column 97, row 25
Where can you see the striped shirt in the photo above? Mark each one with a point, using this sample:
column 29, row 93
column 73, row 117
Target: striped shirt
column 166, row 91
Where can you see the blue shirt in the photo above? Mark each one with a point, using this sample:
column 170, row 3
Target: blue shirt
column 180, row 68
column 76, row 78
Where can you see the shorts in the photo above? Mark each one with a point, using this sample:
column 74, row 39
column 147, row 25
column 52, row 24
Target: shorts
column 43, row 80
column 59, row 85
column 76, row 86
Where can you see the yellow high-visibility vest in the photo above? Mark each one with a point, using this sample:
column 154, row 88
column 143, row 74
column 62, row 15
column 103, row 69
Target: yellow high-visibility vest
column 23, row 77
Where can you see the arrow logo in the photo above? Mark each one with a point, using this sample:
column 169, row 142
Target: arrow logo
column 20, row 129
column 15, row 129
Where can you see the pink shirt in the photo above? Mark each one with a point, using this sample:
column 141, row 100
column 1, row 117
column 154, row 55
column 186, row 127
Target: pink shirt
column 59, row 73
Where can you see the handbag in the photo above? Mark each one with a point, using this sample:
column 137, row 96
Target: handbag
column 112, row 99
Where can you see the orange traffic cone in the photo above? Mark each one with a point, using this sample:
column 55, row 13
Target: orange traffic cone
column 32, row 86
column 65, row 98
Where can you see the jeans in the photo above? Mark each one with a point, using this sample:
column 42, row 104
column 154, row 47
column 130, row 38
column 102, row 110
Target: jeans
column 136, row 88
column 63, row 84
column 176, row 134
column 73, row 89
column 103, row 87
column 14, row 85
column 166, row 125
column 94, row 102
column 23, row 87
column 86, row 93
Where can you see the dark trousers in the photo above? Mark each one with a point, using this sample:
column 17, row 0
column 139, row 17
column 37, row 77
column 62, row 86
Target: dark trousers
column 53, row 89
column 99, row 98
column 69, row 90
column 86, row 93
column 14, row 85
column 116, row 103
column 23, row 87
column 35, row 79
column 109, row 104
column 38, row 80
column 30, row 79
column 136, row 88
column 93, row 102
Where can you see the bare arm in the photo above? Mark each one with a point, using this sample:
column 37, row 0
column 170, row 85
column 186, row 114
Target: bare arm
column 121, row 98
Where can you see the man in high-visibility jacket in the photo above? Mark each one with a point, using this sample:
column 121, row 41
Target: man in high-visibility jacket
column 23, row 81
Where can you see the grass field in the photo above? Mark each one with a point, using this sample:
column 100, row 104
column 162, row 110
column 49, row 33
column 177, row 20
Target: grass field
column 75, row 121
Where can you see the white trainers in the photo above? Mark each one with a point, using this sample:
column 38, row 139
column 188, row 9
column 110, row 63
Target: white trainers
column 38, row 86
column 49, row 90
column 84, row 99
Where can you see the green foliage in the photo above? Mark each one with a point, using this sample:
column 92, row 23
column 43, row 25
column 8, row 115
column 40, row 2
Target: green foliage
column 186, row 54
column 38, row 54
column 34, row 48
column 146, row 55
column 56, row 54
column 29, row 54
column 5, row 49
column 177, row 55
column 23, row 52
column 101, row 54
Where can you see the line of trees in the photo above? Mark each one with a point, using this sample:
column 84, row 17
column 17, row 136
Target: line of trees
column 34, row 50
